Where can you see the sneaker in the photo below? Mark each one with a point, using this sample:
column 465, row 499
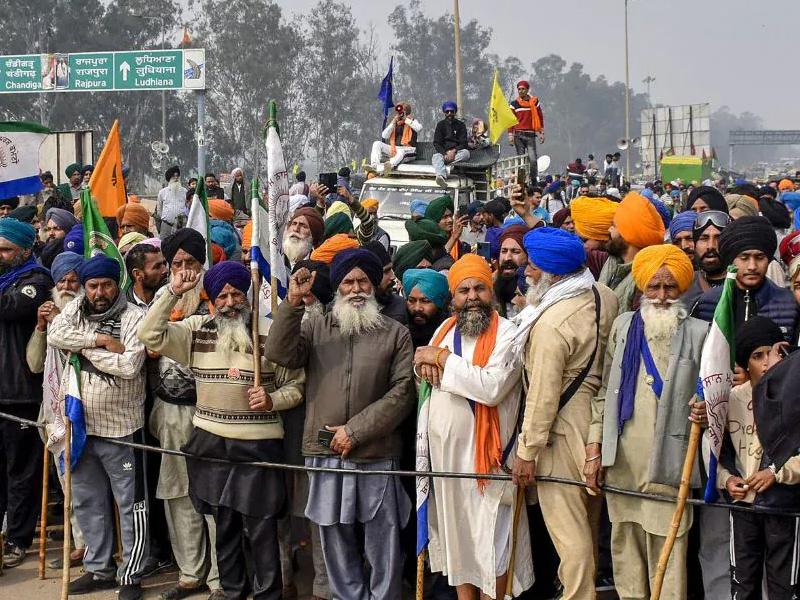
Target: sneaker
column 132, row 591
column 179, row 592
column 13, row 555
column 88, row 583
column 370, row 169
column 75, row 559
column 387, row 167
column 154, row 565
column 440, row 181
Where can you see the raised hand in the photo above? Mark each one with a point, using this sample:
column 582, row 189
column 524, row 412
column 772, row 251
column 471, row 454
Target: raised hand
column 299, row 286
column 183, row 281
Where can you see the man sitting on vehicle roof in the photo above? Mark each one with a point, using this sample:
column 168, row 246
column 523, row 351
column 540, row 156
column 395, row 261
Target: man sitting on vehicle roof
column 450, row 141
column 400, row 141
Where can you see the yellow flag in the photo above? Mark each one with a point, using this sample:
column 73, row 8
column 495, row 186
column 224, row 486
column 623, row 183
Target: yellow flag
column 501, row 117
column 295, row 169
column 106, row 182
column 363, row 161
column 353, row 165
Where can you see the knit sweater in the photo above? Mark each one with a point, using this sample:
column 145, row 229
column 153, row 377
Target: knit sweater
column 222, row 380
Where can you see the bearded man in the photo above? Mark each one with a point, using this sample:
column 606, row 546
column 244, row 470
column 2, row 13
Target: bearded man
column 360, row 388
column 641, row 421
column 710, row 270
column 233, row 420
column 303, row 233
column 148, row 271
column 392, row 304
column 470, row 428
column 563, row 332
column 427, row 297
column 170, row 203
column 512, row 258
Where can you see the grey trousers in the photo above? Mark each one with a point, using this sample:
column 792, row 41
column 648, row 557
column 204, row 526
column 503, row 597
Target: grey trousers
column 105, row 469
column 77, row 534
column 714, row 554
column 194, row 550
column 439, row 165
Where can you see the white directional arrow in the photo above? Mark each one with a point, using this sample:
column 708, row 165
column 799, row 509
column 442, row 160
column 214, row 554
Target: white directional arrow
column 125, row 67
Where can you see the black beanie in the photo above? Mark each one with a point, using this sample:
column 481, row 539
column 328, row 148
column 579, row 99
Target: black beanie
column 747, row 233
column 758, row 331
column 710, row 195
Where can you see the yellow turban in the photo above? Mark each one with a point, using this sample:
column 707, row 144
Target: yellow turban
column 469, row 265
column 593, row 217
column 369, row 203
column 330, row 247
column 785, row 185
column 651, row 259
column 337, row 207
column 638, row 221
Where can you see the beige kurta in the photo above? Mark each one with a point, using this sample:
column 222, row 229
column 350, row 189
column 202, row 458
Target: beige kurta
column 470, row 532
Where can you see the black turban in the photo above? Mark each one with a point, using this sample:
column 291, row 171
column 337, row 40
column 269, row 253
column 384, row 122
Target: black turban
column 746, row 189
column 186, row 239
column 13, row 202
column 321, row 287
column 747, row 233
column 171, row 172
column 775, row 211
column 776, row 408
column 756, row 332
column 767, row 191
column 52, row 248
column 24, row 213
column 347, row 260
column 710, row 195
column 378, row 250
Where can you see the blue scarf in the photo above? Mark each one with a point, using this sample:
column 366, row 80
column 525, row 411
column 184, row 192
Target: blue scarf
column 7, row 279
column 636, row 348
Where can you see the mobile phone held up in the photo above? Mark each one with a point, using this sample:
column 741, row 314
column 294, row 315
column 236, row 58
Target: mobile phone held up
column 329, row 181
column 521, row 176
column 484, row 250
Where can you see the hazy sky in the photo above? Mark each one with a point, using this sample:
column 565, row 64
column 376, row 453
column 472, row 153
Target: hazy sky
column 717, row 51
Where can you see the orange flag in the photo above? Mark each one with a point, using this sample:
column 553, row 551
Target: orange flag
column 186, row 39
column 108, row 187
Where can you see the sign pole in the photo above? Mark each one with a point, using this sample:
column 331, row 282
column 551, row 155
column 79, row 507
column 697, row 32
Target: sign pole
column 201, row 136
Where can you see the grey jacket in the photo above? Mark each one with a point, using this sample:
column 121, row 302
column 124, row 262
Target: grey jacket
column 363, row 382
column 672, row 424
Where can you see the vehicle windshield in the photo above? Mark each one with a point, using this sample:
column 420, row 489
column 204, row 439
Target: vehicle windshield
column 396, row 201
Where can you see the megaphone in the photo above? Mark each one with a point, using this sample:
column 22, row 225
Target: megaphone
column 622, row 144
column 542, row 163
column 635, row 141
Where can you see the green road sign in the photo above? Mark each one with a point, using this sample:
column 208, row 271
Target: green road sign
column 103, row 71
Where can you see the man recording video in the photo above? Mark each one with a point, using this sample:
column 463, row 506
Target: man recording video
column 399, row 141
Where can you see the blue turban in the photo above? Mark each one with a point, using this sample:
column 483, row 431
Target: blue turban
column 663, row 211
column 224, row 236
column 100, row 267
column 222, row 273
column 513, row 221
column 432, row 284
column 473, row 208
column 64, row 263
column 73, row 242
column 419, row 207
column 554, row 250
column 64, row 219
column 18, row 233
column 682, row 222
column 649, row 194
column 450, row 105
column 347, row 260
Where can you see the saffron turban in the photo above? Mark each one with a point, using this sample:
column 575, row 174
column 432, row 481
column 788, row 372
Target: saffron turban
column 65, row 263
column 220, row 209
column 315, row 223
column 638, row 221
column 469, row 266
column 681, row 223
column 516, row 233
column 336, row 208
column 63, row 219
column 593, row 217
column 347, row 260
column 649, row 260
column 427, row 230
column 217, row 254
column 132, row 237
column 744, row 204
column 438, row 207
column 73, row 241
column 710, row 195
column 432, row 284
column 409, row 255
column 188, row 240
column 785, row 185
column 226, row 272
column 369, row 203
column 247, row 236
column 419, row 207
column 336, row 224
column 333, row 245
column 17, row 232
column 135, row 214
column 321, row 288
column 100, row 267
column 747, row 233
column 554, row 250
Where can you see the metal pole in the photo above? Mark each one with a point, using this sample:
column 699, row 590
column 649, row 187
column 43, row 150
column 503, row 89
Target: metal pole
column 730, row 157
column 201, row 133
column 163, row 92
column 627, row 100
column 457, row 24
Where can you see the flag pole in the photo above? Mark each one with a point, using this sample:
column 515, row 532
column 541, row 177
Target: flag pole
column 67, row 508
column 420, row 575
column 683, row 494
column 256, row 286
column 43, row 517
column 510, row 572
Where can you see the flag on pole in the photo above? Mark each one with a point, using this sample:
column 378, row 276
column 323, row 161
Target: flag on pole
column 19, row 158
column 277, row 201
column 258, row 260
column 53, row 402
column 73, row 406
column 198, row 217
column 423, row 464
column 107, row 181
column 717, row 362
column 385, row 93
column 97, row 239
column 501, row 117
column 186, row 41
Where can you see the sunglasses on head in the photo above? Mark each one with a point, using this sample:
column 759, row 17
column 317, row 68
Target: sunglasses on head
column 717, row 218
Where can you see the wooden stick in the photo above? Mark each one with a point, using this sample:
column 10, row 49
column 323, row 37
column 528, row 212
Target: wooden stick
column 119, row 530
column 67, row 508
column 517, row 509
column 43, row 517
column 683, row 494
column 273, row 283
column 256, row 285
column 420, row 575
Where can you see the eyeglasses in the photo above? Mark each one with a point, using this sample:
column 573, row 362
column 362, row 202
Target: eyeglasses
column 717, row 218
column 449, row 112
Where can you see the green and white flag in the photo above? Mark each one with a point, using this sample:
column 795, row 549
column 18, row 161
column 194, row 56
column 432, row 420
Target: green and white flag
column 198, row 217
column 19, row 158
column 97, row 239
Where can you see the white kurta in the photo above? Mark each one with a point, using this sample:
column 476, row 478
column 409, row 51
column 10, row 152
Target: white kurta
column 470, row 533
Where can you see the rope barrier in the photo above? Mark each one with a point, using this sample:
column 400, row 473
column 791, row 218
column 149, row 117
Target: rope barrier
column 438, row 474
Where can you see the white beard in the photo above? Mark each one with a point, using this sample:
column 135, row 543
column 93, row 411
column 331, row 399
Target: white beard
column 661, row 324
column 174, row 185
column 296, row 249
column 313, row 310
column 537, row 289
column 190, row 301
column 61, row 299
column 233, row 334
column 356, row 320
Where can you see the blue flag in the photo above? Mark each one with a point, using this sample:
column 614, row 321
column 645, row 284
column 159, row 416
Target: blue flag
column 385, row 93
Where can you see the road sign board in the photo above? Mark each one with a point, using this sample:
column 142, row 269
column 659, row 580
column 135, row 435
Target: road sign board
column 104, row 71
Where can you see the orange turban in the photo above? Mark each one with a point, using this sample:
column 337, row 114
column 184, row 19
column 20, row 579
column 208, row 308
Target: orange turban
column 785, row 185
column 217, row 254
column 469, row 265
column 651, row 259
column 369, row 203
column 247, row 236
column 220, row 209
column 135, row 214
column 330, row 247
column 593, row 217
column 638, row 221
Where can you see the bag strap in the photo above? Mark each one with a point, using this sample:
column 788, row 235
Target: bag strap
column 578, row 381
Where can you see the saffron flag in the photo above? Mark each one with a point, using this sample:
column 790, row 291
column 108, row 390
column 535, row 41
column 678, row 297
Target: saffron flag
column 198, row 217
column 97, row 239
column 73, row 406
column 385, row 93
column 423, row 464
column 277, row 201
column 107, row 181
column 717, row 362
column 19, row 158
column 501, row 117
